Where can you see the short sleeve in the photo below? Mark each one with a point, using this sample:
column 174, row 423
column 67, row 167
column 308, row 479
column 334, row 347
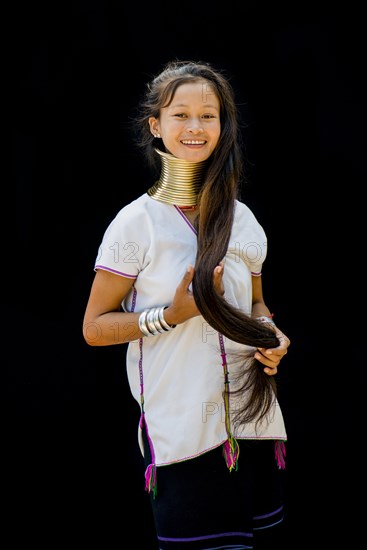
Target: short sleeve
column 254, row 255
column 250, row 239
column 124, row 243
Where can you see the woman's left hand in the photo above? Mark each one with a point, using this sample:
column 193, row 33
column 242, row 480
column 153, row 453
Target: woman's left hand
column 271, row 357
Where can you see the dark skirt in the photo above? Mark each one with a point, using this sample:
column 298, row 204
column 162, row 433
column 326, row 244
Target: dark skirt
column 201, row 505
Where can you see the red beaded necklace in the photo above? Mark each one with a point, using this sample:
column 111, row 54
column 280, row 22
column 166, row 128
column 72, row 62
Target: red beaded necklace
column 188, row 207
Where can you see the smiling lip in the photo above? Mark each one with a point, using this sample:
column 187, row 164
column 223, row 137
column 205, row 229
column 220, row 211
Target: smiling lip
column 193, row 142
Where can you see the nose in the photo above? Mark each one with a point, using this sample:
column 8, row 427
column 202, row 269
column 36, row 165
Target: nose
column 194, row 126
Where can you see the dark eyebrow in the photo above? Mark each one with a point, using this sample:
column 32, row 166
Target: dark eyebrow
column 209, row 105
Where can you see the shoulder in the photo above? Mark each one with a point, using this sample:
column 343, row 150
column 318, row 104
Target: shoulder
column 244, row 214
column 249, row 237
column 134, row 207
column 137, row 210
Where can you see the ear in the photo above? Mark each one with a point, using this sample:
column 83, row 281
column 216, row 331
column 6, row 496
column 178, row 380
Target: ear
column 154, row 126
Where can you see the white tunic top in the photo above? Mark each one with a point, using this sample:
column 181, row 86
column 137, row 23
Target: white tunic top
column 180, row 372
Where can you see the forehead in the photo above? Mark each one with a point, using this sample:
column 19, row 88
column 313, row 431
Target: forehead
column 200, row 91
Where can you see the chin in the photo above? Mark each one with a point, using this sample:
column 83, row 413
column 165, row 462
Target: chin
column 196, row 155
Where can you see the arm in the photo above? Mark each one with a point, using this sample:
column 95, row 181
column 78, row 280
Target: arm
column 268, row 357
column 105, row 324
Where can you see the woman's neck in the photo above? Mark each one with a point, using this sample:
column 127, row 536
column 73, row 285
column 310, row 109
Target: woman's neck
column 179, row 183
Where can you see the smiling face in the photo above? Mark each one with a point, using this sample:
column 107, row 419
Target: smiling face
column 190, row 125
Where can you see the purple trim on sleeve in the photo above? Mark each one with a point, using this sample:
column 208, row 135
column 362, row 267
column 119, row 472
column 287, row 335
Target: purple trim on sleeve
column 256, row 273
column 114, row 271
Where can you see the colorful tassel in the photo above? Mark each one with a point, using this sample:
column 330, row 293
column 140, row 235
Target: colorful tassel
column 231, row 451
column 230, row 447
column 151, row 471
column 151, row 479
column 280, row 453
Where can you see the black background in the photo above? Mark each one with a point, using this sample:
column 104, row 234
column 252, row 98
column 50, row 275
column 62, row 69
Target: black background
column 77, row 70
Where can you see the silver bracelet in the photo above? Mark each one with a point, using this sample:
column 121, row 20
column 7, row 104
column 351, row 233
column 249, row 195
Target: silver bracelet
column 156, row 321
column 152, row 322
column 265, row 319
column 142, row 323
column 162, row 320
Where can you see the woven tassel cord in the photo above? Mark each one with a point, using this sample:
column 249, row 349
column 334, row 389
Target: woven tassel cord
column 280, row 453
column 231, row 451
column 230, row 447
column 151, row 479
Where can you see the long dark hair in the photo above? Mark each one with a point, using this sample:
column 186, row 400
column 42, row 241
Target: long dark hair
column 214, row 224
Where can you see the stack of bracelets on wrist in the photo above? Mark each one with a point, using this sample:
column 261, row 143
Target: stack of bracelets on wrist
column 152, row 321
column 265, row 319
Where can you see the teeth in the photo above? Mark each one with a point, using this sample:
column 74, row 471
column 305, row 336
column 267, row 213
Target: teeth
column 193, row 142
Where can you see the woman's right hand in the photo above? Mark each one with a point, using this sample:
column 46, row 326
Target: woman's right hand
column 183, row 306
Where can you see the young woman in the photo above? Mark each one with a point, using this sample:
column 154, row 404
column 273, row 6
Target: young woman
column 178, row 276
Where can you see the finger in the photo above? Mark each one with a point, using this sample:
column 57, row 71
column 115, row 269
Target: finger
column 218, row 278
column 189, row 275
column 271, row 371
column 276, row 352
column 280, row 350
column 268, row 361
column 218, row 270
